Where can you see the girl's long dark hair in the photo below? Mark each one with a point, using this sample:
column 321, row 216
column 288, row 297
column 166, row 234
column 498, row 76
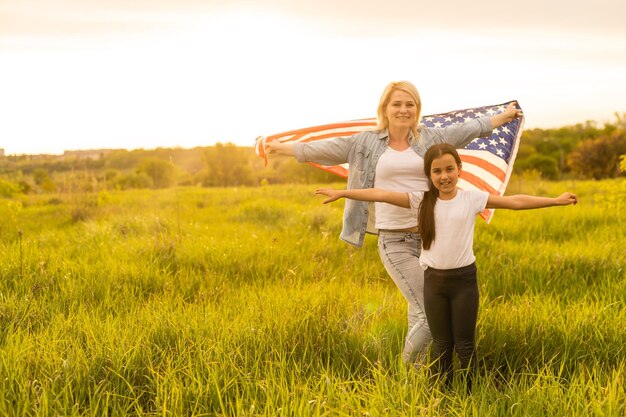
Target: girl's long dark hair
column 426, row 216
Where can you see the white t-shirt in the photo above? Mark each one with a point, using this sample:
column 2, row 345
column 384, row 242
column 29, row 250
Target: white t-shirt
column 454, row 229
column 398, row 171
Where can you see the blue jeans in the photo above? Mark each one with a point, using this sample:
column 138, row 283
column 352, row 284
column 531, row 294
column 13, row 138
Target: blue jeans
column 400, row 253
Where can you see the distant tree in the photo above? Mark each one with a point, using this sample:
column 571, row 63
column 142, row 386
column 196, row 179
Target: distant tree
column 162, row 173
column 135, row 180
column 599, row 158
column 524, row 151
column 227, row 165
column 622, row 164
column 109, row 177
column 547, row 166
column 188, row 160
column 123, row 159
column 292, row 171
column 564, row 146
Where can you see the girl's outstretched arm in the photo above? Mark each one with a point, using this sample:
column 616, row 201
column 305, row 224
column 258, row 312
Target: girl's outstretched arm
column 366, row 194
column 525, row 202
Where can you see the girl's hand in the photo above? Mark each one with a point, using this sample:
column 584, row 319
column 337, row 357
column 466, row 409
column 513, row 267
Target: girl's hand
column 333, row 195
column 566, row 199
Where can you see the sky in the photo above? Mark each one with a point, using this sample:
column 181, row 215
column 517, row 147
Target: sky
column 102, row 74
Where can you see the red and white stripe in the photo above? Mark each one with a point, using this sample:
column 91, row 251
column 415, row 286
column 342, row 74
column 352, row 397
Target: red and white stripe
column 481, row 169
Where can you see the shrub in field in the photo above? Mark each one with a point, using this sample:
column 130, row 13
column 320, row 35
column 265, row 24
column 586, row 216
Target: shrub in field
column 599, row 157
column 84, row 208
column 8, row 189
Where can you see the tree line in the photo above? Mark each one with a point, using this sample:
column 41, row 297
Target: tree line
column 222, row 165
column 584, row 151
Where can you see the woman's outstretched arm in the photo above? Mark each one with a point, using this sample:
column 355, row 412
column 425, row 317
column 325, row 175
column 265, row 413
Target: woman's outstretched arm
column 368, row 194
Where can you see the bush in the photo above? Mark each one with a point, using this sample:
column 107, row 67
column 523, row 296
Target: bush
column 133, row 181
column 162, row 173
column 599, row 158
column 8, row 189
column 545, row 165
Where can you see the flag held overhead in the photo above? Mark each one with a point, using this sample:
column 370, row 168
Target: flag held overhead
column 487, row 161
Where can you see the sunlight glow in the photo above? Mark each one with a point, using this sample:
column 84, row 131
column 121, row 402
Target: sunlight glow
column 234, row 75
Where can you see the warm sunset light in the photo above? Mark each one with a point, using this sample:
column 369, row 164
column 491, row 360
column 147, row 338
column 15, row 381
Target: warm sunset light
column 159, row 74
column 312, row 208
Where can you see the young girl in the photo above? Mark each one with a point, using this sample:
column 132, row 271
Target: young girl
column 446, row 218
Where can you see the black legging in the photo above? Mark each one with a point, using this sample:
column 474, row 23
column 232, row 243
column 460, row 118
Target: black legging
column 451, row 304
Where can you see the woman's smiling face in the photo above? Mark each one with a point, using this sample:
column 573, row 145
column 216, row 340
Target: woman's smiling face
column 401, row 110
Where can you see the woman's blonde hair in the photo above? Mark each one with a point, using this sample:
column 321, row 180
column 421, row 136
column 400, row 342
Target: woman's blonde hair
column 407, row 87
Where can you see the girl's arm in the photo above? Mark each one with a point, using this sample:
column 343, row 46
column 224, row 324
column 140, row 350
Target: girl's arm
column 367, row 194
column 526, row 202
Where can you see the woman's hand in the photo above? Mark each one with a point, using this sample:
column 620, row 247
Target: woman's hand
column 279, row 148
column 511, row 112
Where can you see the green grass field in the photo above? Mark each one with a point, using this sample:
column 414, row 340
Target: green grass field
column 244, row 302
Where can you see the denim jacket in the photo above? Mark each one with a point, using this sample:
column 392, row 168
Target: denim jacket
column 362, row 150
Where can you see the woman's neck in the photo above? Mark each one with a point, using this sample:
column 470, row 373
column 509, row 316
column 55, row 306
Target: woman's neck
column 398, row 138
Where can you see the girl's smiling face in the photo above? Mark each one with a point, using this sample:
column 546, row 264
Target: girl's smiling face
column 444, row 174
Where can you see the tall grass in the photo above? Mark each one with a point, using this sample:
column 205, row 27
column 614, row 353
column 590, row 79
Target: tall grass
column 244, row 302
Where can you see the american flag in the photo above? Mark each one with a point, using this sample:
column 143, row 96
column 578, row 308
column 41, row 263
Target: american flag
column 487, row 161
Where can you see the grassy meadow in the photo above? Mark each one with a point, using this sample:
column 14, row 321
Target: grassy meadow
column 244, row 302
